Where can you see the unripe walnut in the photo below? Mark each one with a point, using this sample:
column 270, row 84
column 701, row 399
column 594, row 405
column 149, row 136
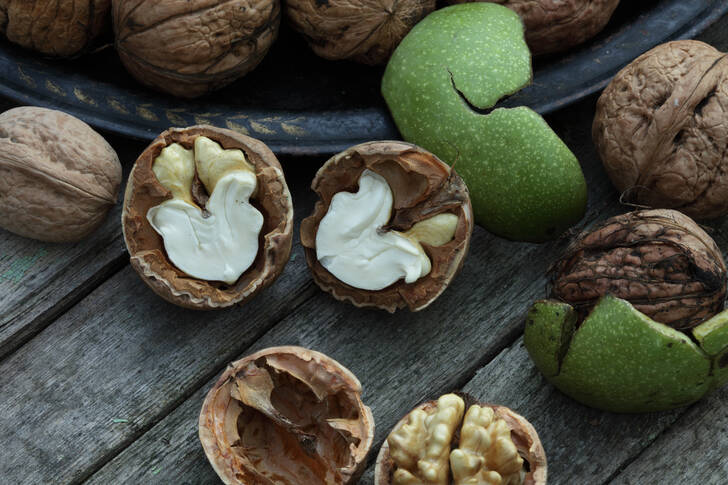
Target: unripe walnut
column 660, row 128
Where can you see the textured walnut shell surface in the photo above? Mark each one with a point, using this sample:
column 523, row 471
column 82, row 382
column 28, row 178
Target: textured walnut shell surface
column 423, row 186
column 146, row 247
column 523, row 434
column 659, row 260
column 191, row 48
column 61, row 28
column 366, row 31
column 283, row 409
column 661, row 129
column 58, row 177
column 556, row 25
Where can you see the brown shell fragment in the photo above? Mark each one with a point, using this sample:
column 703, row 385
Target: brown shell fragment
column 146, row 247
column 523, row 434
column 659, row 260
column 556, row 25
column 661, row 129
column 58, row 177
column 289, row 416
column 191, row 48
column 423, row 186
column 366, row 31
column 62, row 28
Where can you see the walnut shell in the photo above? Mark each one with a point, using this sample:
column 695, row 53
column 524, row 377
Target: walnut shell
column 365, row 31
column 58, row 177
column 660, row 128
column 557, row 25
column 423, row 186
column 523, row 434
column 660, row 261
column 61, row 28
column 191, row 48
column 146, row 247
column 287, row 415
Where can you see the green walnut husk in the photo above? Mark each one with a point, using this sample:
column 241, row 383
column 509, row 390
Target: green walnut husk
column 606, row 353
column 441, row 86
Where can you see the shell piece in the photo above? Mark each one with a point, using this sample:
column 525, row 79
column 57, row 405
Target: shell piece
column 366, row 31
column 146, row 248
column 472, row 437
column 61, row 28
column 659, row 260
column 191, row 48
column 286, row 415
column 58, row 177
column 660, row 128
column 556, row 25
column 422, row 186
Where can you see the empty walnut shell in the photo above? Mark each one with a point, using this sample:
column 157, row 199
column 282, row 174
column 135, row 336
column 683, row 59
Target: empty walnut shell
column 523, row 434
column 61, row 28
column 146, row 247
column 423, row 186
column 286, row 415
column 661, row 129
column 660, row 261
column 366, row 31
column 191, row 48
column 556, row 25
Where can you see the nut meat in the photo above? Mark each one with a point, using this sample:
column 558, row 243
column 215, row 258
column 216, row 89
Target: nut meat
column 660, row 128
column 458, row 441
column 363, row 30
column 146, row 248
column 191, row 48
column 427, row 197
column 659, row 260
column 58, row 177
column 61, row 28
column 289, row 416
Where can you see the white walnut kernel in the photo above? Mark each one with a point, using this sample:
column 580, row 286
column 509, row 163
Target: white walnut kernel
column 435, row 231
column 175, row 170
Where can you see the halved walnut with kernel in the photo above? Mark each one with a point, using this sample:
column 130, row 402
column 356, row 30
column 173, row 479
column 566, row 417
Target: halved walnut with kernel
column 286, row 415
column 458, row 441
column 392, row 226
column 207, row 217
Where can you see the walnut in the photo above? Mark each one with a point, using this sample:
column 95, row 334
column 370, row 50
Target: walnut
column 286, row 415
column 366, row 31
column 457, row 440
column 556, row 25
column 61, row 28
column 406, row 226
column 58, row 177
column 660, row 128
column 159, row 178
column 660, row 261
column 191, row 48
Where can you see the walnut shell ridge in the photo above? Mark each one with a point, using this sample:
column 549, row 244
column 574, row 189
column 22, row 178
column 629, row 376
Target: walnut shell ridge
column 62, row 28
column 365, row 31
column 58, row 177
column 523, row 434
column 661, row 129
column 191, row 48
column 146, row 247
column 423, row 186
column 557, row 25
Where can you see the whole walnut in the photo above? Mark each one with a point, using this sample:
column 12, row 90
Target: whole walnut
column 557, row 25
column 660, row 128
column 660, row 261
column 58, row 177
column 191, row 48
column 365, row 31
column 61, row 28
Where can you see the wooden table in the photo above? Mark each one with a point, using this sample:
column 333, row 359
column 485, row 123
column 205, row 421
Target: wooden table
column 101, row 381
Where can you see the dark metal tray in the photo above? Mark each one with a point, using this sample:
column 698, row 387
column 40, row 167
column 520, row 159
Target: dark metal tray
column 300, row 104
